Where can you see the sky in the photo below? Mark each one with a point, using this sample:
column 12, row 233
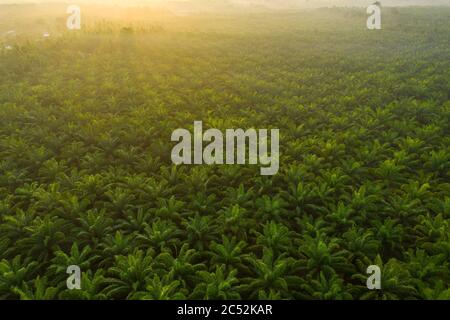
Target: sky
column 267, row 3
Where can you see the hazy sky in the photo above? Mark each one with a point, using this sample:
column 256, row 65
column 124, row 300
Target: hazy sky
column 273, row 3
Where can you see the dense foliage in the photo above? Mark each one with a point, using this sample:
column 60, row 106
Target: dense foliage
column 86, row 177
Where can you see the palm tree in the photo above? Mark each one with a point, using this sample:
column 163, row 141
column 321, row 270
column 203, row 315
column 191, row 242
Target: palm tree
column 229, row 253
column 390, row 234
column 217, row 285
column 130, row 274
column 119, row 200
column 84, row 259
column 94, row 226
column 396, row 282
column 423, row 267
column 13, row 227
column 200, row 231
column 161, row 289
column 91, row 187
column 361, row 243
column 364, row 200
column 270, row 273
column 159, row 235
column 270, row 295
column 116, row 245
column 71, row 207
column 438, row 292
column 239, row 196
column 183, row 267
column 170, row 209
column 203, row 203
column 300, row 196
column 13, row 275
column 313, row 227
column 234, row 220
column 92, row 285
column 44, row 237
column 341, row 216
column 275, row 236
column 39, row 291
column 327, row 288
column 318, row 255
column 136, row 220
column 269, row 208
